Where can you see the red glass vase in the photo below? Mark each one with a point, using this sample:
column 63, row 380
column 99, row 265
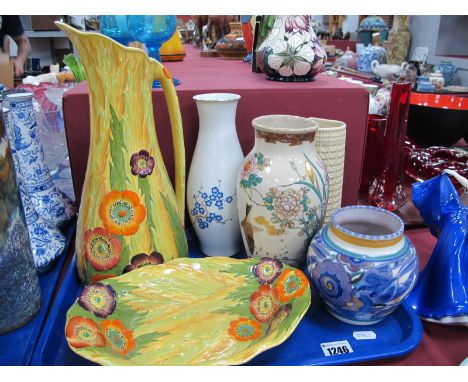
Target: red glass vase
column 386, row 190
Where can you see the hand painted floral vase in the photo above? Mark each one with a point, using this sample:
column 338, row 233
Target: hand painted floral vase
column 211, row 185
column 20, row 293
column 46, row 241
column 369, row 54
column 398, row 40
column 292, row 50
column 448, row 70
column 282, row 189
column 362, row 264
column 129, row 214
column 232, row 45
column 51, row 204
column 441, row 293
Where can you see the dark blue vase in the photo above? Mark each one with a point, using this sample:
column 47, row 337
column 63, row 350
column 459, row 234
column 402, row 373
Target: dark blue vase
column 441, row 293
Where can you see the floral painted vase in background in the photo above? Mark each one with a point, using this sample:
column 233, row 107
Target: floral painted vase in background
column 292, row 50
column 448, row 70
column 46, row 241
column 20, row 293
column 232, row 45
column 211, row 185
column 362, row 264
column 48, row 201
column 441, row 294
column 129, row 214
column 282, row 189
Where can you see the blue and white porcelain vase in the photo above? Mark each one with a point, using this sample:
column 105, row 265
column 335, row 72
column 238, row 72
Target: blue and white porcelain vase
column 362, row 264
column 211, row 185
column 47, row 200
column 46, row 241
column 369, row 54
column 441, row 293
column 448, row 70
column 20, row 293
column 370, row 25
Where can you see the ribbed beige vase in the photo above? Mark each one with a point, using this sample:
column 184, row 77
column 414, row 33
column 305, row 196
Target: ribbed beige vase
column 330, row 145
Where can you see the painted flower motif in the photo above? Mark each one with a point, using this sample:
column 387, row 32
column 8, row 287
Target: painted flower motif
column 264, row 303
column 353, row 263
column 142, row 163
column 122, row 212
column 257, row 162
column 292, row 57
column 118, row 336
column 354, row 305
column 245, row 329
column 286, row 203
column 333, row 282
column 99, row 299
column 99, row 277
column 293, row 23
column 82, row 332
column 143, row 260
column 101, row 249
column 229, row 199
column 267, row 270
column 291, row 283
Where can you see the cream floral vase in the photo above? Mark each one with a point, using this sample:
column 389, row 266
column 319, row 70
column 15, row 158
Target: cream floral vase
column 292, row 50
column 282, row 189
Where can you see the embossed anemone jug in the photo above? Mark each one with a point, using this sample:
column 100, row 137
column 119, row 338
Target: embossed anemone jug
column 129, row 215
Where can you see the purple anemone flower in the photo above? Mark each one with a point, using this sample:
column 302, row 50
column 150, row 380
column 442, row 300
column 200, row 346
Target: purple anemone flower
column 267, row 270
column 142, row 163
column 99, row 299
column 142, row 260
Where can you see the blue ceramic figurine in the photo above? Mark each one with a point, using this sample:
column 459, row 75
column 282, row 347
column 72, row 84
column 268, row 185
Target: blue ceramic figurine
column 441, row 293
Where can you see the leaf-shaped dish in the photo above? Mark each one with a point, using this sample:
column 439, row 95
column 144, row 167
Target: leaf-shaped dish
column 210, row 311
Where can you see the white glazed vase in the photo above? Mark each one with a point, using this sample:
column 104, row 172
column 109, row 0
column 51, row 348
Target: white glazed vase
column 282, row 189
column 211, row 185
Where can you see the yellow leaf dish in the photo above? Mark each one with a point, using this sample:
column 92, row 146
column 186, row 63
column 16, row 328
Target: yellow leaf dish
column 209, row 311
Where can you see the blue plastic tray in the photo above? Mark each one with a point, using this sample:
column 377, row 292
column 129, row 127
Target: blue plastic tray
column 397, row 335
column 17, row 347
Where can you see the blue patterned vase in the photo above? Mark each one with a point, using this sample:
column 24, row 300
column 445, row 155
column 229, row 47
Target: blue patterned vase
column 362, row 265
column 441, row 294
column 448, row 70
column 47, row 200
column 369, row 54
column 46, row 241
column 20, row 294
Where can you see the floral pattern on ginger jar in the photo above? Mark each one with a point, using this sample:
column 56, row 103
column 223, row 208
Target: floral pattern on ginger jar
column 292, row 50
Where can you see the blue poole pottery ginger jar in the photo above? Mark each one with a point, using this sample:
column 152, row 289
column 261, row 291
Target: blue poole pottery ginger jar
column 362, row 265
column 370, row 25
column 448, row 70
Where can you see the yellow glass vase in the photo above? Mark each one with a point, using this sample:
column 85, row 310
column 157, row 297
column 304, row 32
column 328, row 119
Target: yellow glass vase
column 129, row 214
column 172, row 49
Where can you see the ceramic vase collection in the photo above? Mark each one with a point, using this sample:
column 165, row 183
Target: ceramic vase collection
column 441, row 293
column 282, row 189
column 46, row 241
column 20, row 293
column 232, row 45
column 129, row 214
column 211, row 185
column 362, row 264
column 292, row 50
column 398, row 40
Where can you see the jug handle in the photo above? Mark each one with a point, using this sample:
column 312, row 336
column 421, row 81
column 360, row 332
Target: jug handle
column 164, row 77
